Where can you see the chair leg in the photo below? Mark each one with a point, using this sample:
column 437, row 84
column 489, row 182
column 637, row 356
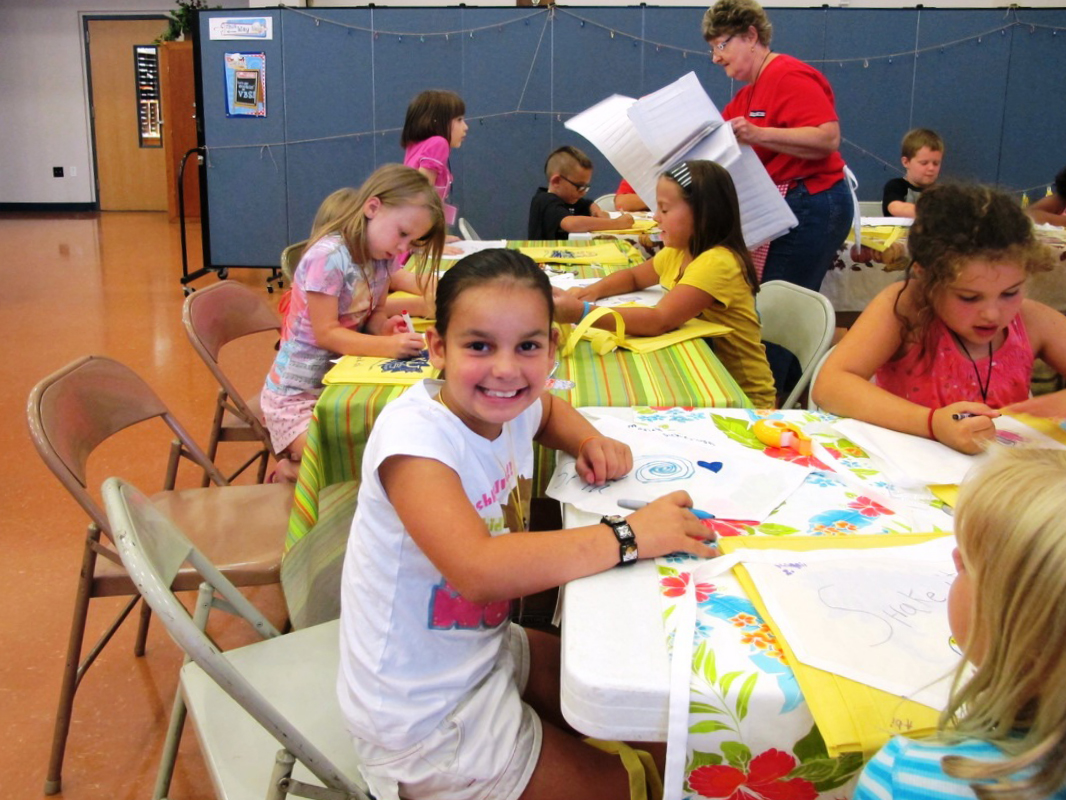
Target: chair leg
column 216, row 433
column 75, row 667
column 178, row 712
column 142, row 630
column 283, row 765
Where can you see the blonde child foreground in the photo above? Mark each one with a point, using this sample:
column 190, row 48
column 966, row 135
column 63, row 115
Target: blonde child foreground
column 1003, row 733
column 955, row 341
column 705, row 268
column 444, row 697
column 337, row 305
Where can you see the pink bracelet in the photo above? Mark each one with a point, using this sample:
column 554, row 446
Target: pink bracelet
column 930, row 423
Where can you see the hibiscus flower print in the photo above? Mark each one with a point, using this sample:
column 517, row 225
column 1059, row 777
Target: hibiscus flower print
column 763, row 779
column 675, row 586
column 868, row 508
column 788, row 454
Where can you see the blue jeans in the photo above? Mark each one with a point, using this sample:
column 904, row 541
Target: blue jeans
column 805, row 253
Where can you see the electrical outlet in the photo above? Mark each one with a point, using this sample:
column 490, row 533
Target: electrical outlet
column 73, row 171
column 57, row 172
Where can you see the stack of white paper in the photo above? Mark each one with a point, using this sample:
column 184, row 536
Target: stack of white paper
column 643, row 138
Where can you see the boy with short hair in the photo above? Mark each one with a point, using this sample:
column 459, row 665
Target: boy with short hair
column 562, row 208
column 922, row 151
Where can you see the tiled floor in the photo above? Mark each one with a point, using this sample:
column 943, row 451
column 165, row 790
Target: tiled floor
column 73, row 285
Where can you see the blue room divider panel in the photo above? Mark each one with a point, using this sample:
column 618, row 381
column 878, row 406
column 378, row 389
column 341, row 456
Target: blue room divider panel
column 338, row 82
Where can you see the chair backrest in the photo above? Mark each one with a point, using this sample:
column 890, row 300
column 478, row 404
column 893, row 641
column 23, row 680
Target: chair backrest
column 467, row 230
column 220, row 314
column 811, row 405
column 75, row 409
column 606, row 202
column 290, row 257
column 799, row 320
column 153, row 550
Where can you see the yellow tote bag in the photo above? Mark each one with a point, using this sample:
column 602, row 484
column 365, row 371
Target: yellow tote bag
column 851, row 716
column 604, row 341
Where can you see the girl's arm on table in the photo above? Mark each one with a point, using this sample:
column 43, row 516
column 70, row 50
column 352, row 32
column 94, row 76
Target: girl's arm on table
column 404, row 281
column 843, row 386
column 599, row 458
column 1046, row 328
column 432, row 504
column 1048, row 209
column 569, row 305
column 324, row 312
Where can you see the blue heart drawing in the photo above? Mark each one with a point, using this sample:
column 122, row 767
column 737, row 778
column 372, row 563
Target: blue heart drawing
column 713, row 466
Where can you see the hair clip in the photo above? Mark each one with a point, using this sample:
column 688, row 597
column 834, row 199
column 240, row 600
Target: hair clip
column 681, row 174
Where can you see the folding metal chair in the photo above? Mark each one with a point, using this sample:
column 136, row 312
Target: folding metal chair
column 214, row 317
column 71, row 413
column 799, row 320
column 245, row 702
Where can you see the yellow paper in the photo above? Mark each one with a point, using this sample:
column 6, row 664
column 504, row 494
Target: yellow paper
column 388, row 371
column 879, row 237
column 851, row 716
column 639, row 226
column 571, row 254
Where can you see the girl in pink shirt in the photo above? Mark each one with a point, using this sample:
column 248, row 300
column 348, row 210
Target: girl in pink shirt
column 956, row 340
column 434, row 124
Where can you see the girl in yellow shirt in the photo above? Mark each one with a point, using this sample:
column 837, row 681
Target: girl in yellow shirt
column 706, row 270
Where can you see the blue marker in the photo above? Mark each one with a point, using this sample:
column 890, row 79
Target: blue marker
column 633, row 505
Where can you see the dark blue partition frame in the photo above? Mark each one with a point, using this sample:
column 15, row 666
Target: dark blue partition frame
column 338, row 81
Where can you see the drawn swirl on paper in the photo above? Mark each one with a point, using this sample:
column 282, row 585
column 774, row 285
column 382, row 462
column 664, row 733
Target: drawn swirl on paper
column 664, row 469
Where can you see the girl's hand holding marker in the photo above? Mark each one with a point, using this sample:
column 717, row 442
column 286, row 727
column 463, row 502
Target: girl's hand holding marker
column 965, row 426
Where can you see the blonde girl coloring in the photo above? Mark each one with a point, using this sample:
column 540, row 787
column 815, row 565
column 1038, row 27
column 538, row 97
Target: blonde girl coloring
column 705, row 268
column 433, row 126
column 337, row 305
column 444, row 697
column 1003, row 733
column 956, row 340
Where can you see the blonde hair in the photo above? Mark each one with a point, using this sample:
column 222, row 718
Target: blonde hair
column 1011, row 527
column 917, row 138
column 733, row 17
column 394, row 185
column 954, row 225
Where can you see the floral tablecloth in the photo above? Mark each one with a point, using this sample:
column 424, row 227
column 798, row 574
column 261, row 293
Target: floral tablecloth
column 750, row 732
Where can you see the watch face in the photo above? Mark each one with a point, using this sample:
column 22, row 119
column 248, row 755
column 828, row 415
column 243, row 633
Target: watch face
column 614, row 519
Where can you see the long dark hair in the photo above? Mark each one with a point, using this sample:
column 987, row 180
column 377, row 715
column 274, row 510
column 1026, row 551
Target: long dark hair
column 709, row 191
column 431, row 114
column 484, row 267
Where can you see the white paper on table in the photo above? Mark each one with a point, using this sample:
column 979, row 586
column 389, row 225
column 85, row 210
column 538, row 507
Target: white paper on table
column 743, row 485
column 914, row 461
column 635, row 134
column 646, row 297
column 469, row 246
column 874, row 222
column 876, row 616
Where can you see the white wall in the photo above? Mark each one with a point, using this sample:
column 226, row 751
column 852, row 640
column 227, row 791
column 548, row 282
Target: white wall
column 44, row 105
column 44, row 108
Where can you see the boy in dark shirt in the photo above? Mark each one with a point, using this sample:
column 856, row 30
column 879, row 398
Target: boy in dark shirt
column 922, row 153
column 562, row 208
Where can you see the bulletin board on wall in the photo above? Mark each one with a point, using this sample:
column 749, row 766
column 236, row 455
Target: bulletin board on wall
column 337, row 82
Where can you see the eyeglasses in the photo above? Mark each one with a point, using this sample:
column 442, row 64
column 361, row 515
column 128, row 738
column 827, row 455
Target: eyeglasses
column 721, row 45
column 581, row 187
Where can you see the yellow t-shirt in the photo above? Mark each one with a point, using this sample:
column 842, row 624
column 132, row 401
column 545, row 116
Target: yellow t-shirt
column 718, row 273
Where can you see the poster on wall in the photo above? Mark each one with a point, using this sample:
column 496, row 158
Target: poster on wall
column 241, row 28
column 245, row 84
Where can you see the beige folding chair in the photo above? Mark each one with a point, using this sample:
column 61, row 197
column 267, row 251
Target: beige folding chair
column 245, row 702
column 799, row 320
column 214, row 317
column 467, row 230
column 290, row 257
column 606, row 202
column 242, row 528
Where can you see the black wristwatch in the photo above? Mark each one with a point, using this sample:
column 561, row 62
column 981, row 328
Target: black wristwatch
column 627, row 540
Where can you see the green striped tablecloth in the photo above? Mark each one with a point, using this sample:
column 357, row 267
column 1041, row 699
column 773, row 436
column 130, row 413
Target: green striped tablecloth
column 687, row 374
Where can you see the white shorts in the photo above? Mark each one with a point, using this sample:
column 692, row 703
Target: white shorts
column 486, row 749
